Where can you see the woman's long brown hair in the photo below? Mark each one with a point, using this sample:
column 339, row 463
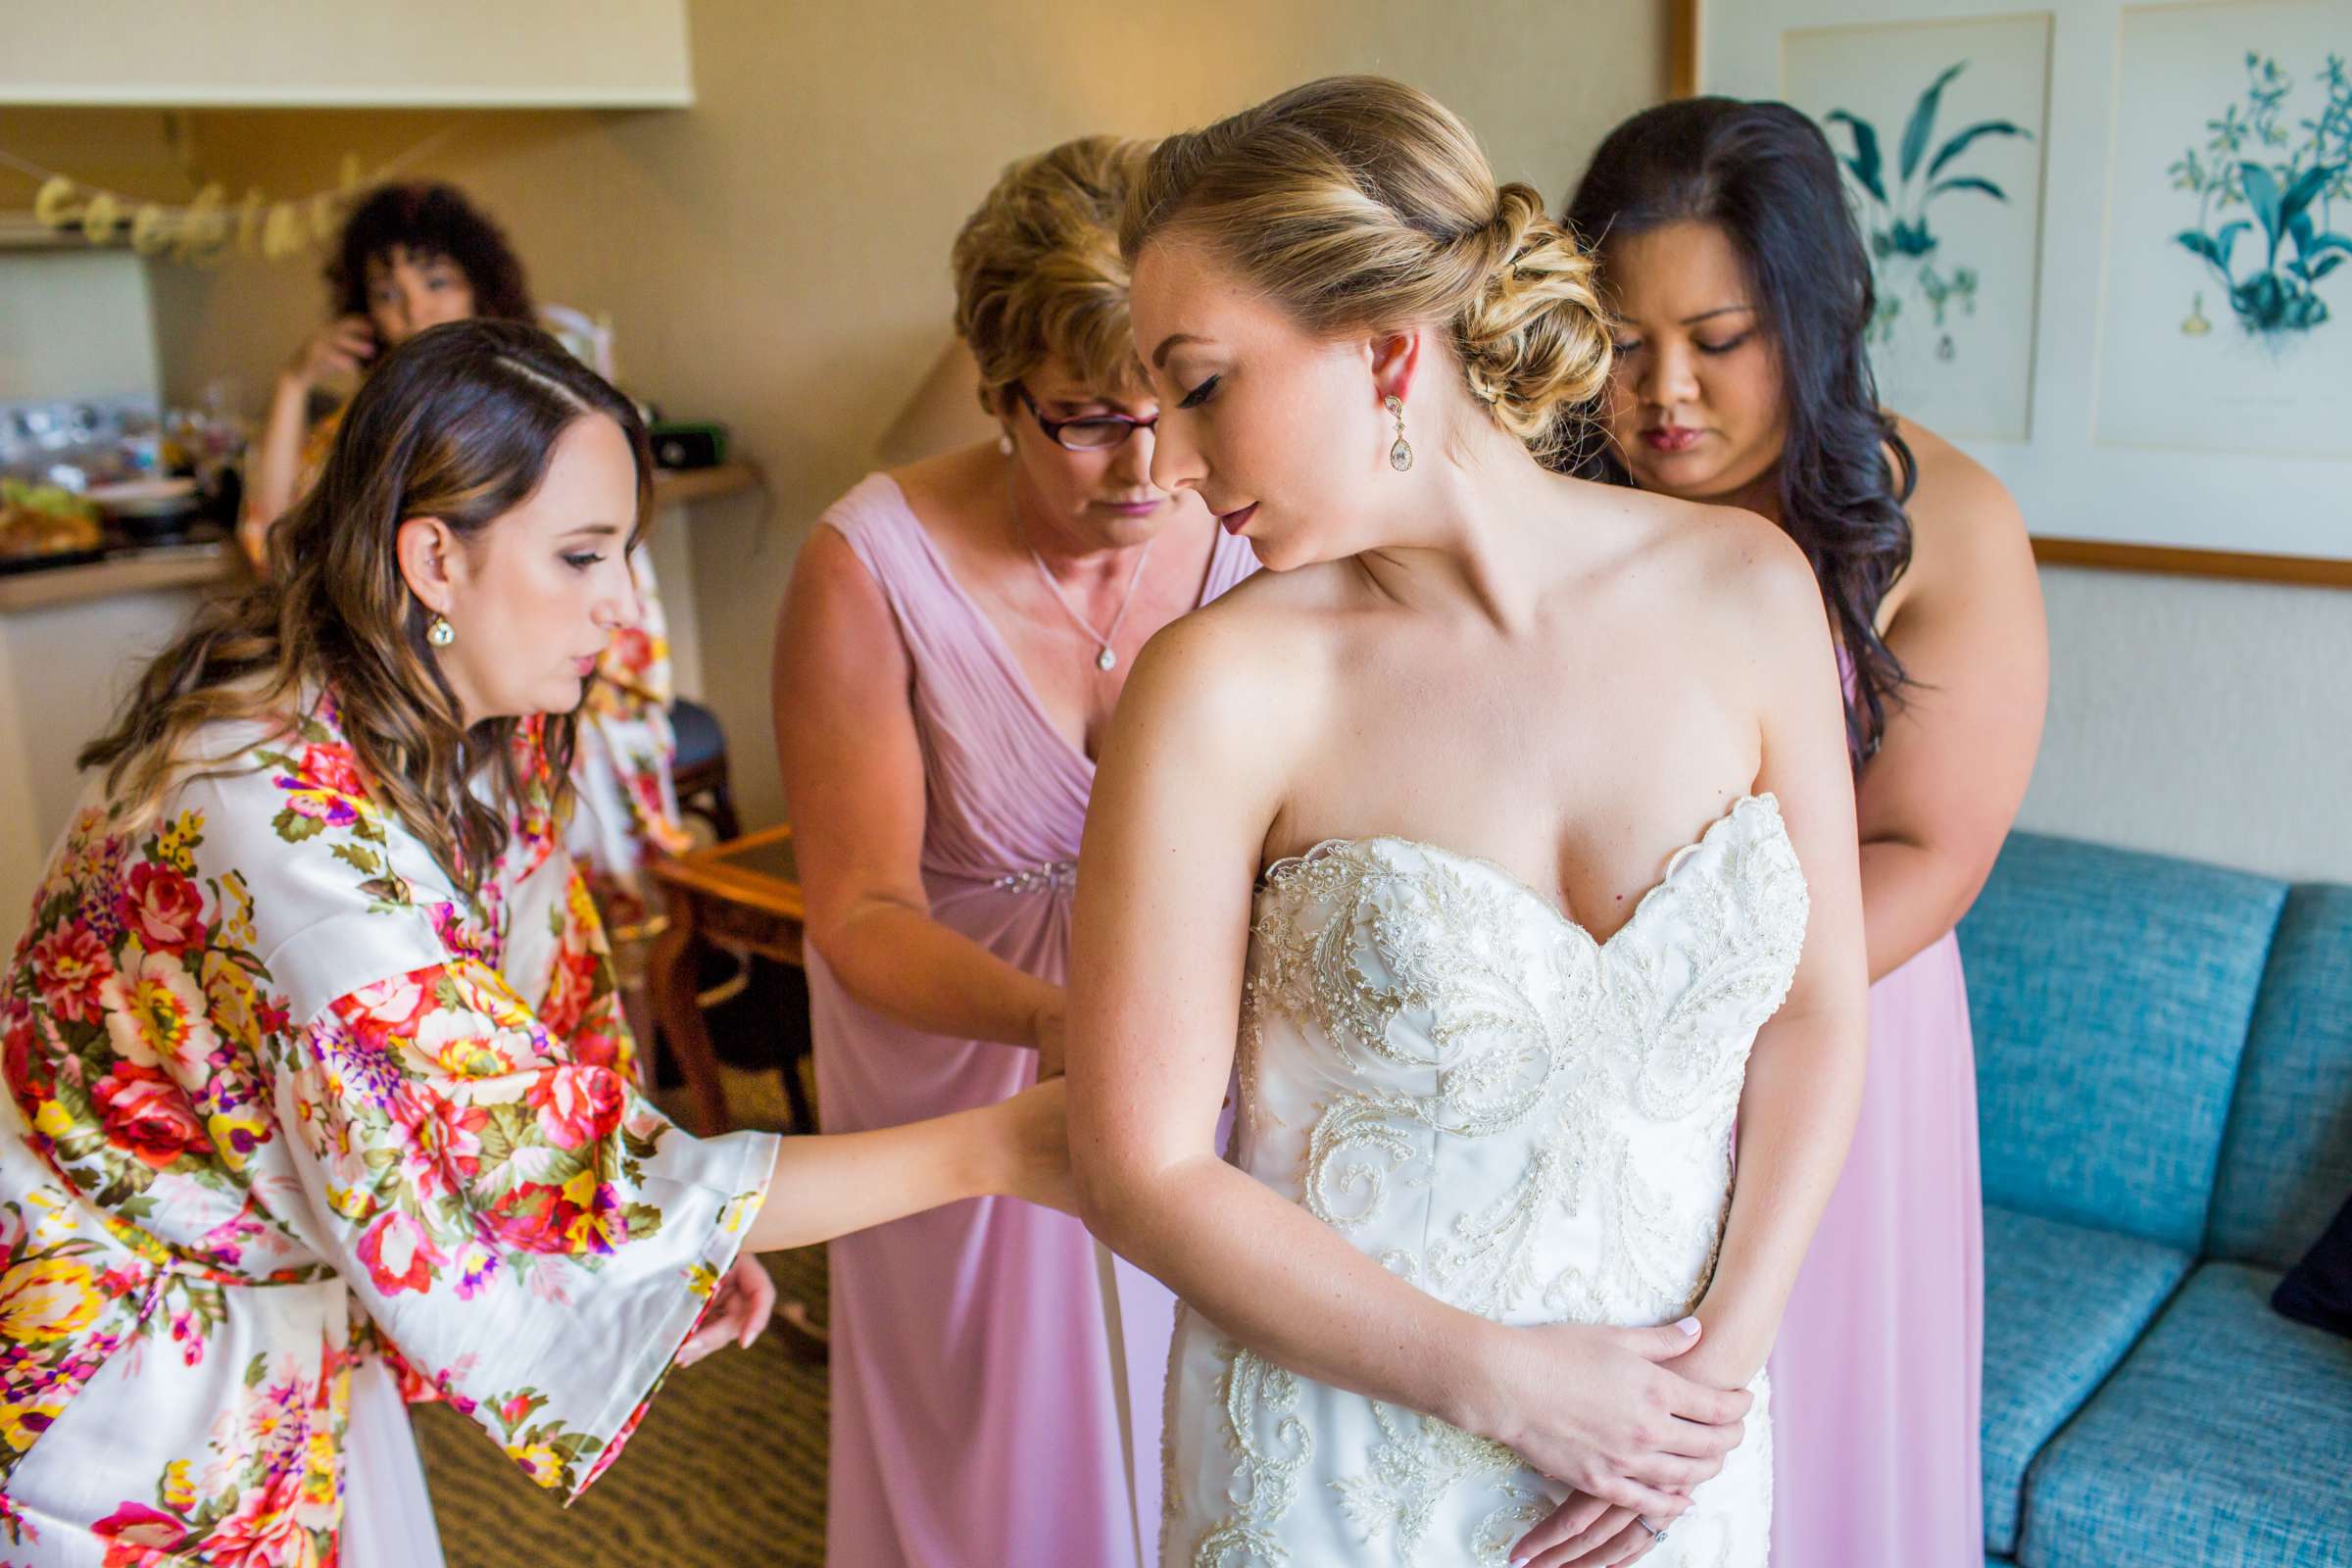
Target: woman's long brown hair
column 458, row 423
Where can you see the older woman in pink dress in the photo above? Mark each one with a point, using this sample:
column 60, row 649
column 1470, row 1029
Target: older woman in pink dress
column 953, row 644
column 1742, row 291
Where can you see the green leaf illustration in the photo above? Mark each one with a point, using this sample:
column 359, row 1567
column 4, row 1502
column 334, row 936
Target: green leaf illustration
column 2200, row 243
column 1865, row 161
column 2307, row 186
column 1959, row 143
column 1969, row 182
column 1922, row 120
column 2262, row 194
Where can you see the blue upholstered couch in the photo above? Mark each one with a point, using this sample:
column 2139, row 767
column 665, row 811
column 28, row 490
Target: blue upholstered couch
column 2164, row 1060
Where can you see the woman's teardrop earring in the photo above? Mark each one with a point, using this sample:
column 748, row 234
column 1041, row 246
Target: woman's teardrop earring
column 1005, row 442
column 1400, row 456
column 440, row 633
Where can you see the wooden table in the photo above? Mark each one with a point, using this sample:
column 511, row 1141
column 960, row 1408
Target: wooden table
column 744, row 894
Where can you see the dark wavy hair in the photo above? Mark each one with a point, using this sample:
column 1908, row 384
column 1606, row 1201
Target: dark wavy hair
column 428, row 219
column 459, row 423
column 1766, row 177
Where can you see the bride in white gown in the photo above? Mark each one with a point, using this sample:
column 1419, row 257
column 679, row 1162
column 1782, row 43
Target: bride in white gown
column 1507, row 823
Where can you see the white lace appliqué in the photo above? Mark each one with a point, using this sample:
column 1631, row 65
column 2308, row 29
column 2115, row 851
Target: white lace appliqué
column 1532, row 1125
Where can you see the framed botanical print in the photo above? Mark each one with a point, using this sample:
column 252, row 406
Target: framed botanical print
column 2113, row 250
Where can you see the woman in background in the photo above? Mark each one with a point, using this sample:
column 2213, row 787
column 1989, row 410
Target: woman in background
column 312, row 1048
column 416, row 255
column 1741, row 291
column 955, row 637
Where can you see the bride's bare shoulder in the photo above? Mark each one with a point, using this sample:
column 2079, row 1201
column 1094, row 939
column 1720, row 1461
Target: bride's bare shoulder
column 1245, row 655
column 1727, row 563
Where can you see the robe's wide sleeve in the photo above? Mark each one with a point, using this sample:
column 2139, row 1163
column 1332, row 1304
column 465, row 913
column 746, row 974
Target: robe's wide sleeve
column 531, row 1235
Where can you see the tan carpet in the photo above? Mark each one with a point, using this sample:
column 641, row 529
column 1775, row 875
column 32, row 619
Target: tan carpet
column 728, row 1466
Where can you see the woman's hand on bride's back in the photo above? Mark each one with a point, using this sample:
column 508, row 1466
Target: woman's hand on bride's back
column 1606, row 1410
column 1037, row 1146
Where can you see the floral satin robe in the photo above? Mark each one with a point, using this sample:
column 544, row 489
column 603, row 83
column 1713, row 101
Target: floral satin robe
column 628, row 807
column 281, row 1097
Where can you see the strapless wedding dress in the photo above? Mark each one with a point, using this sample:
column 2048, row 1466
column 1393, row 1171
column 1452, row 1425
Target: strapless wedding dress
column 1533, row 1125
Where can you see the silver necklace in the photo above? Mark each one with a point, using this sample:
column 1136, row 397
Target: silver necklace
column 1106, row 661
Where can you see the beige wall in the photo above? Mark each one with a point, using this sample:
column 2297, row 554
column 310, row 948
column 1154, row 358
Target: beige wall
column 74, row 323
column 776, row 257
column 344, row 52
column 2202, row 718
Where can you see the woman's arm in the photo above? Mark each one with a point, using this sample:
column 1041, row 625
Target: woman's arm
column 831, row 1184
column 1936, row 801
column 1190, row 780
column 853, row 773
column 1804, row 1074
column 273, row 472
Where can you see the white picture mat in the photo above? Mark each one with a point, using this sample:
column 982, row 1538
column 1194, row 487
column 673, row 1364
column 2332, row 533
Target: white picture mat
column 1969, row 374
column 2291, row 395
column 2070, row 486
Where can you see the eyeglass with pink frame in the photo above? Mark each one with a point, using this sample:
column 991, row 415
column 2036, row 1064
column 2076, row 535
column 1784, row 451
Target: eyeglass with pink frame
column 1097, row 432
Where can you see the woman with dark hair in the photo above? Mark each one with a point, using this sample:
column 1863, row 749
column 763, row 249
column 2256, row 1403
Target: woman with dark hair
column 417, row 255
column 1741, row 290
column 410, row 257
column 316, row 1073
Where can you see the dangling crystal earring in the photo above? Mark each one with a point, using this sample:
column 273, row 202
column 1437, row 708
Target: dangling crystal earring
column 1400, row 456
column 1004, row 443
column 440, row 633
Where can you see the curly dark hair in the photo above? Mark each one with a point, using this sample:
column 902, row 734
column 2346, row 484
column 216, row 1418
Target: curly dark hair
column 1765, row 176
column 428, row 219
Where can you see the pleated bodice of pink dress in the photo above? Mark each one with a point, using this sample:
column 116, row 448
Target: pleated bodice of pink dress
column 974, row 1415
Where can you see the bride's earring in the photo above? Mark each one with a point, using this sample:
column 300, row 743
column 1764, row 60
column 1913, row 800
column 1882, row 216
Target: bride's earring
column 1005, row 442
column 1400, row 456
column 440, row 633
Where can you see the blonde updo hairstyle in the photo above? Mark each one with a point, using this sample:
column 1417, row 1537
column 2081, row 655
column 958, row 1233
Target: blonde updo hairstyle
column 1357, row 202
column 1039, row 273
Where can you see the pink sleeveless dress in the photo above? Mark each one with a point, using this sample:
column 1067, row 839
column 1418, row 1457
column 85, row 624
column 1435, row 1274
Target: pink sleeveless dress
column 1879, row 1368
column 975, row 1418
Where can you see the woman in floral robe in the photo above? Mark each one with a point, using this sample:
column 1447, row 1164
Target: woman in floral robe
column 414, row 256
column 315, row 1063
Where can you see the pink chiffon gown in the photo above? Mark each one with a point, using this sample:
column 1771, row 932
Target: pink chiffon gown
column 975, row 1418
column 1876, row 1375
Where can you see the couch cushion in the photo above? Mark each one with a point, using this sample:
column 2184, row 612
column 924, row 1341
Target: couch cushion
column 2062, row 1307
column 2222, row 1439
column 2286, row 1162
column 2110, row 993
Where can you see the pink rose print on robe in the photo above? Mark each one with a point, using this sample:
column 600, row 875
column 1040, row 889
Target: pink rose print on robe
column 267, row 1531
column 399, row 1255
column 577, row 1105
column 71, row 967
column 162, row 908
column 136, row 1536
column 333, row 767
column 147, row 1113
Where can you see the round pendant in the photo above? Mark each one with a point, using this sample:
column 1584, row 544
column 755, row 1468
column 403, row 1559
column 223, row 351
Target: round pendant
column 1106, row 660
column 1400, row 456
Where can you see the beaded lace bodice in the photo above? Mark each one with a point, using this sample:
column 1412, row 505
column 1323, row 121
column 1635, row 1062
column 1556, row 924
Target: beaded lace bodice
column 1527, row 1122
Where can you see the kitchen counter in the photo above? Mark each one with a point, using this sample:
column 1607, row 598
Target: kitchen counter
column 72, row 638
column 217, row 562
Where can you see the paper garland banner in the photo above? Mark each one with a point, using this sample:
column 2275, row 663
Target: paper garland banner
column 208, row 227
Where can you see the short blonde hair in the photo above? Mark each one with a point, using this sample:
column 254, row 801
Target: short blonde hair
column 1357, row 202
column 1038, row 268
